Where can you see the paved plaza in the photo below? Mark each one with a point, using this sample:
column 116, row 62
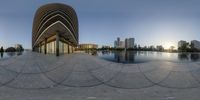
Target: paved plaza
column 78, row 76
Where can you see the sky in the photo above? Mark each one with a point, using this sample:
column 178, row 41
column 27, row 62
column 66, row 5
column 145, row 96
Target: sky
column 150, row 22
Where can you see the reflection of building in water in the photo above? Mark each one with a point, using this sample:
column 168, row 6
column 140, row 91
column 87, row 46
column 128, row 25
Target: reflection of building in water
column 88, row 46
column 105, row 52
column 183, row 56
column 130, row 56
column 196, row 44
column 118, row 56
column 189, row 56
column 194, row 57
column 126, row 57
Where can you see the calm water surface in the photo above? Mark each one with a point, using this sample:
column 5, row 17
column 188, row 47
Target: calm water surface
column 10, row 54
column 146, row 56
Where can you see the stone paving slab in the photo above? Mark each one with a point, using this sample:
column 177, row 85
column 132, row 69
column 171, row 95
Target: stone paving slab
column 31, row 81
column 34, row 76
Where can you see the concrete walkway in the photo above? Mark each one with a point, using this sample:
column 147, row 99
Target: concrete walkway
column 35, row 76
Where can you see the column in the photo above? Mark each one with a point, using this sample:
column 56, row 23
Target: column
column 45, row 46
column 68, row 48
column 57, row 43
column 40, row 50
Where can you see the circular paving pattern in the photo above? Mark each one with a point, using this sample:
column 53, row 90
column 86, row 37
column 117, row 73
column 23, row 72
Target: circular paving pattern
column 39, row 71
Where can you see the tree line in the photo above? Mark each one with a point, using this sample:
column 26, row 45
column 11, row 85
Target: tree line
column 188, row 47
column 12, row 49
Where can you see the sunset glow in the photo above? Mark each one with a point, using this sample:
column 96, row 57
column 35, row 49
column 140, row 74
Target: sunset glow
column 167, row 45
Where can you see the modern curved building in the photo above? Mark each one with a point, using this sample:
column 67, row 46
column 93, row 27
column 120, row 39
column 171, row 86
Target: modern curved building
column 55, row 29
column 87, row 46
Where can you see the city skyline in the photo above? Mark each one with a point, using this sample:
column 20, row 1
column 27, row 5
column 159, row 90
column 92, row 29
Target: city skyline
column 101, row 22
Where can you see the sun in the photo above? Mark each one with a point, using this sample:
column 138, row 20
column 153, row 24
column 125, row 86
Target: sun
column 167, row 45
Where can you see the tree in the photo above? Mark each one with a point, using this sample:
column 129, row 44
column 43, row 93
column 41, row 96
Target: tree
column 172, row 48
column 192, row 45
column 192, row 48
column 10, row 49
column 185, row 47
column 135, row 47
column 139, row 47
column 1, row 50
column 20, row 48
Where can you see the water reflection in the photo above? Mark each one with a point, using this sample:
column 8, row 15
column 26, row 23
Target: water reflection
column 189, row 56
column 10, row 54
column 106, row 52
column 194, row 57
column 119, row 56
column 145, row 56
column 1, row 54
column 183, row 56
column 19, row 53
column 125, row 57
column 91, row 52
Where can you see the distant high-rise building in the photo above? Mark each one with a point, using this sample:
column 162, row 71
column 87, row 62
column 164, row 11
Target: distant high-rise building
column 115, row 44
column 129, row 43
column 126, row 43
column 106, row 46
column 196, row 44
column 118, row 43
column 118, row 39
column 121, row 44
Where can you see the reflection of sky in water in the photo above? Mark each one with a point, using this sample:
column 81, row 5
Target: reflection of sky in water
column 145, row 56
column 9, row 54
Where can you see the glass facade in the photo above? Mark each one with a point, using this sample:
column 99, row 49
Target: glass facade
column 70, row 49
column 61, row 47
column 51, row 37
column 42, row 49
column 64, row 48
column 51, row 47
